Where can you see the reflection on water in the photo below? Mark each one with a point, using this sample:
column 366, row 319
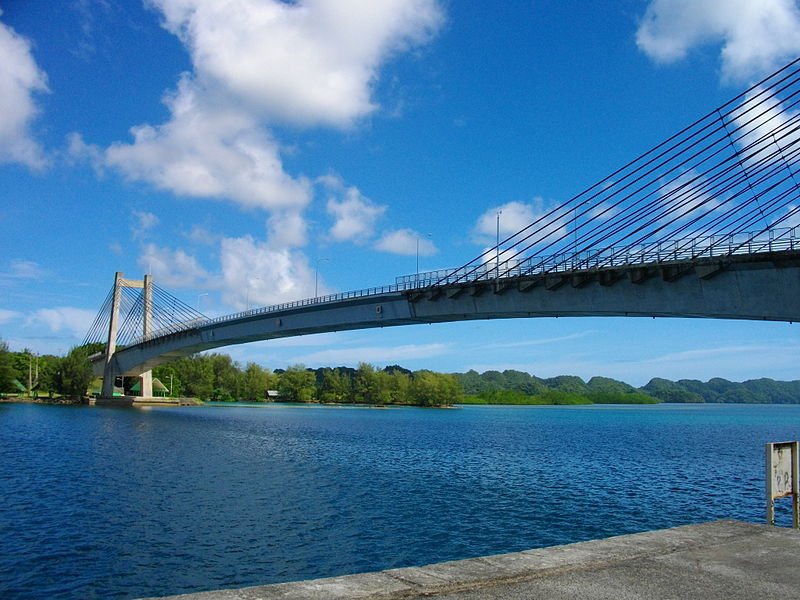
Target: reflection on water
column 101, row 502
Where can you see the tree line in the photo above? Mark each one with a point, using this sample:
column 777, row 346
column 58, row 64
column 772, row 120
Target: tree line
column 46, row 375
column 218, row 377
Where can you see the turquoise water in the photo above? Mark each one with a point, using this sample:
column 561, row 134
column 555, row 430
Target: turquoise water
column 103, row 503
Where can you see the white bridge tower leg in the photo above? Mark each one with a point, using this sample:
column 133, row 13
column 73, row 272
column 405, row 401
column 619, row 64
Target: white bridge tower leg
column 108, row 371
column 109, row 374
column 146, row 378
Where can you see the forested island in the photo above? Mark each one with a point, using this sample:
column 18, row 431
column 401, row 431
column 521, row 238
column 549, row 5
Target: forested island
column 217, row 377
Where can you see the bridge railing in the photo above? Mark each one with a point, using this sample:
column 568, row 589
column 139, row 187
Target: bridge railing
column 684, row 249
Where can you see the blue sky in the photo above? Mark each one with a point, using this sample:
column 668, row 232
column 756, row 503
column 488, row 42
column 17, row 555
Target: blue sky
column 240, row 150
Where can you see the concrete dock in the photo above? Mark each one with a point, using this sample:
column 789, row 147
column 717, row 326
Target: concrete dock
column 723, row 559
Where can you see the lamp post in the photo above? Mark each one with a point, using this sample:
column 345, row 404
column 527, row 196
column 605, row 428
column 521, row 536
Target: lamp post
column 418, row 238
column 499, row 212
column 199, row 296
column 316, row 275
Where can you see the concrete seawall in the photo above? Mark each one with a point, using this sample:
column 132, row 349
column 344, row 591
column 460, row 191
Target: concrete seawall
column 723, row 559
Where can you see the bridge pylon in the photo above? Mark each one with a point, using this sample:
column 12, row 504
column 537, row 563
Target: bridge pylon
column 109, row 372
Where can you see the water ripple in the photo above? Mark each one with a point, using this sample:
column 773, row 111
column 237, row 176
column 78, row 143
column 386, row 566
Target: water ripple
column 103, row 503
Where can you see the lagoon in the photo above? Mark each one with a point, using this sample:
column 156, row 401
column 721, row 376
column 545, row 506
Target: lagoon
column 125, row 503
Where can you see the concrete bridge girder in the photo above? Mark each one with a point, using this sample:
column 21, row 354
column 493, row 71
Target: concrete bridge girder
column 759, row 288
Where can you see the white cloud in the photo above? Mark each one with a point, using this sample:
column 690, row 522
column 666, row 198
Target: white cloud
column 687, row 197
column 172, row 267
column 354, row 214
column 201, row 235
column 515, row 216
column 20, row 268
column 757, row 36
column 310, row 62
column 256, row 63
column 75, row 321
column 207, row 151
column 20, row 79
column 287, row 229
column 374, row 354
column 144, row 222
column 79, row 151
column 7, row 316
column 256, row 274
column 406, row 242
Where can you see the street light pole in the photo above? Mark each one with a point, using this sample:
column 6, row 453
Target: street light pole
column 417, row 258
column 316, row 276
column 418, row 238
column 199, row 296
column 499, row 212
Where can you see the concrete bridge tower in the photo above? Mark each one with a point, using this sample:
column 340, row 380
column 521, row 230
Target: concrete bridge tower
column 109, row 374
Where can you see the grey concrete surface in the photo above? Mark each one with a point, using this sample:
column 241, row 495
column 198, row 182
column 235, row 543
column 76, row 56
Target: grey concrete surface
column 723, row 559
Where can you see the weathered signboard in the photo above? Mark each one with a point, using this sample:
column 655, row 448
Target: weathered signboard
column 783, row 478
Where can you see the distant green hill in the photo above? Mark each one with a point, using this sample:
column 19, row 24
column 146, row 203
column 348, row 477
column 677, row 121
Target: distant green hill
column 517, row 387
column 717, row 390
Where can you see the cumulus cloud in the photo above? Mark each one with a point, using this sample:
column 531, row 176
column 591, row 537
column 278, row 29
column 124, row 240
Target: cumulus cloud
column 287, row 229
column 20, row 80
column 256, row 274
column 172, row 267
column 310, row 62
column 353, row 213
column 406, row 242
column 257, row 63
column 206, row 151
column 756, row 36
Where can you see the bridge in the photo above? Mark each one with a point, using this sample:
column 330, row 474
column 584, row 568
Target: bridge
column 706, row 224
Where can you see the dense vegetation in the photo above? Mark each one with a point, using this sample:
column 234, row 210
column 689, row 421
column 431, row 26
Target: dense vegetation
column 517, row 387
column 217, row 377
column 46, row 375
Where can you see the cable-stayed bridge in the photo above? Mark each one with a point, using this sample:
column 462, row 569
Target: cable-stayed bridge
column 706, row 224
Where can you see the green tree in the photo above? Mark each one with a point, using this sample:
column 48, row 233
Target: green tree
column 297, row 384
column 49, row 366
column 196, row 375
column 7, row 371
column 365, row 382
column 228, row 378
column 435, row 389
column 334, row 386
column 256, row 383
column 75, row 373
